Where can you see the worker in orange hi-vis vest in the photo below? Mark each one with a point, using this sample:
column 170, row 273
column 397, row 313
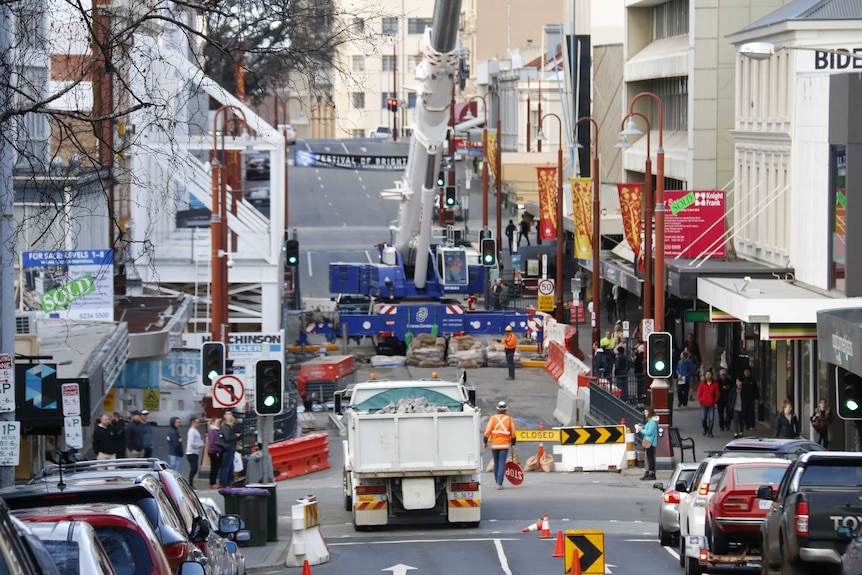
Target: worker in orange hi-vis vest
column 510, row 342
column 500, row 431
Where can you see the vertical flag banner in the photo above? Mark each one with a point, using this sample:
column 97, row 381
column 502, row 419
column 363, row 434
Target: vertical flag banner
column 492, row 154
column 547, row 203
column 582, row 215
column 630, row 206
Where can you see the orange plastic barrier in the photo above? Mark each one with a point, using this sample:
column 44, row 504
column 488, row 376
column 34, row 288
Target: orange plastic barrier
column 294, row 457
column 556, row 363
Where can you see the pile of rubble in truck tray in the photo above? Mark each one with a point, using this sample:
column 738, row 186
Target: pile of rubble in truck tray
column 413, row 405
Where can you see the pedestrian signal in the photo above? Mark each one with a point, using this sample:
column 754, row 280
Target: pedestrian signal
column 489, row 252
column 659, row 361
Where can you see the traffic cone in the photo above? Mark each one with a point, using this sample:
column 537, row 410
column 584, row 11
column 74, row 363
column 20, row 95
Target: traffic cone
column 560, row 549
column 546, row 529
column 534, row 527
column 306, row 568
column 576, row 563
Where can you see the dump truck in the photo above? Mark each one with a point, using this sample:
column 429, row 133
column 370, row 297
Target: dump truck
column 412, row 448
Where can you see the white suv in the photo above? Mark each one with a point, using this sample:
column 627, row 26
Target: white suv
column 381, row 132
column 692, row 503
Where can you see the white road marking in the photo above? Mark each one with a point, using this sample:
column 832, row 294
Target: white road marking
column 400, row 541
column 504, row 563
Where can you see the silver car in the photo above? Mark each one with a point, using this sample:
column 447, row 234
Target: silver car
column 74, row 546
column 668, row 515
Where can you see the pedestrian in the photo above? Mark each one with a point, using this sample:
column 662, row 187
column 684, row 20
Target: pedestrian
column 496, row 288
column 510, row 234
column 649, row 433
column 117, row 427
column 751, row 398
column 734, row 406
column 581, row 280
column 227, row 440
column 175, row 444
column 615, row 295
column 708, row 393
column 500, row 431
column 821, row 419
column 638, row 356
column 621, row 366
column 622, row 297
column 725, row 414
column 213, row 450
column 786, row 422
column 607, row 342
column 505, row 295
column 510, row 342
column 147, row 431
column 135, row 436
column 524, row 231
column 684, row 376
column 194, row 445
column 102, row 445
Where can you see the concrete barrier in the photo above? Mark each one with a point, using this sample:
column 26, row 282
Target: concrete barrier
column 307, row 542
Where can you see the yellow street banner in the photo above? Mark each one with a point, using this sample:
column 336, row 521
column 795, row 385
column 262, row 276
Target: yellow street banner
column 552, row 435
column 592, row 435
column 590, row 545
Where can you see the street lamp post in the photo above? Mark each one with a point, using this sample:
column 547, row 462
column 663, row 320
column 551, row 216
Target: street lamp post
column 630, row 129
column 560, row 232
column 596, row 237
column 286, row 111
column 218, row 229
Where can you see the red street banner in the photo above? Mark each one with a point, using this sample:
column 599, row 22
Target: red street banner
column 694, row 223
column 630, row 207
column 547, row 203
column 582, row 216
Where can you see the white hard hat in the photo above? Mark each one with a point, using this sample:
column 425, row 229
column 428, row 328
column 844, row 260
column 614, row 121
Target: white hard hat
column 502, row 406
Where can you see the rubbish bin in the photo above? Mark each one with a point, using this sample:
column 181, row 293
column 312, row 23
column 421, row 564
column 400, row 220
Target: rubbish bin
column 271, row 509
column 250, row 505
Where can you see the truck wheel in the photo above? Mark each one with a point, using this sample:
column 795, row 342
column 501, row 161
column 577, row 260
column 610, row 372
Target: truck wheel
column 692, row 567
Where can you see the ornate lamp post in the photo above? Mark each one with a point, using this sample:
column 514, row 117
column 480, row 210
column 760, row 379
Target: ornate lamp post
column 286, row 111
column 560, row 233
column 596, row 237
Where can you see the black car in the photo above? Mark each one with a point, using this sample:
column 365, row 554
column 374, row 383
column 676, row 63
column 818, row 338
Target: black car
column 21, row 552
column 761, row 446
column 259, row 198
column 257, row 168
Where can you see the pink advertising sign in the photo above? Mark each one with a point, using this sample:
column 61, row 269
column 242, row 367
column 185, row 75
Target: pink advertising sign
column 694, row 223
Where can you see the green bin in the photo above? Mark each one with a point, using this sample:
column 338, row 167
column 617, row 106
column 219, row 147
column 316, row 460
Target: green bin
column 250, row 505
column 271, row 510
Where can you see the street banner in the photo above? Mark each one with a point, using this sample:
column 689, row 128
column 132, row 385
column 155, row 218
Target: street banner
column 630, row 207
column 582, row 216
column 694, row 223
column 547, row 202
column 492, row 154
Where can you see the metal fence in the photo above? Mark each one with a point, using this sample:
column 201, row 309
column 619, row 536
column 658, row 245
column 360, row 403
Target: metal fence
column 610, row 409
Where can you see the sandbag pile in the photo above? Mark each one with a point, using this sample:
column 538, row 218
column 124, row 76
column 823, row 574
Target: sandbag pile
column 426, row 350
column 496, row 355
column 465, row 351
column 413, row 405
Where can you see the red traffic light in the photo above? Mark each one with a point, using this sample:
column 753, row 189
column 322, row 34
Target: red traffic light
column 392, row 104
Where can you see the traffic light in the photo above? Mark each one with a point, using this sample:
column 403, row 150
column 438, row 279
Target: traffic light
column 659, row 361
column 849, row 388
column 212, row 361
column 291, row 252
column 392, row 104
column 489, row 252
column 450, row 197
column 269, row 387
column 441, row 179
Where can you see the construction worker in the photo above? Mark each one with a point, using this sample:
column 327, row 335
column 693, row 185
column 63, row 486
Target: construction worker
column 500, row 431
column 510, row 342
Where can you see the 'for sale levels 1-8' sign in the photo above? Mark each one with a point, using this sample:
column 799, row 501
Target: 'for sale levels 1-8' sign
column 69, row 284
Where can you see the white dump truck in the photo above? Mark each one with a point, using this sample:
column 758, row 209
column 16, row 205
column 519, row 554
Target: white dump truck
column 412, row 447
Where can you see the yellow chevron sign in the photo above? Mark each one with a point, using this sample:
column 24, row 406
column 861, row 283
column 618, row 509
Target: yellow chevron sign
column 552, row 435
column 592, row 435
column 591, row 551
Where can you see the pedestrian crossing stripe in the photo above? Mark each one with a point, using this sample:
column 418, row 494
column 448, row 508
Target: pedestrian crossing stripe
column 592, row 435
column 590, row 546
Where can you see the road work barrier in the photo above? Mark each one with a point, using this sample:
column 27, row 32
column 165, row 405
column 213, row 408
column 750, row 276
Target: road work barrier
column 307, row 545
column 295, row 457
column 591, row 449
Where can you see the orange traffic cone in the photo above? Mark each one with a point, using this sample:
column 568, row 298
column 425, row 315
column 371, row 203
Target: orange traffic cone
column 560, row 549
column 576, row 563
column 546, row 529
column 306, row 568
column 534, row 527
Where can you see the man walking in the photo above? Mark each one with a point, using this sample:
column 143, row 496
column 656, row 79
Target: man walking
column 135, row 436
column 102, row 446
column 524, row 232
column 707, row 396
column 510, row 342
column 146, row 434
column 500, row 431
column 117, row 427
column 510, row 234
column 175, row 444
column 725, row 414
column 750, row 398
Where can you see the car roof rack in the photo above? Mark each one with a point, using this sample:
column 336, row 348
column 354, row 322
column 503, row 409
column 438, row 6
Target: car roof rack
column 150, row 464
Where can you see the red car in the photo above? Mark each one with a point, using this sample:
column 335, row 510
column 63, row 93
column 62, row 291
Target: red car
column 734, row 513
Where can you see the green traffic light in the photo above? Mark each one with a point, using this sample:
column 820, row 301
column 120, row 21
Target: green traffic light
column 270, row 400
column 851, row 404
column 659, row 365
column 213, row 375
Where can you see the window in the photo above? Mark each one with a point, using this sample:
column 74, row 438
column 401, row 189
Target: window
column 673, row 93
column 417, row 25
column 411, row 99
column 358, row 63
column 357, row 100
column 390, row 26
column 670, row 19
column 357, row 133
column 358, row 26
column 388, row 63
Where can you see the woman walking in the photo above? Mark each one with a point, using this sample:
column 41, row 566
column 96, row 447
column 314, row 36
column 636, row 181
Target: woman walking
column 194, row 445
column 786, row 422
column 213, row 451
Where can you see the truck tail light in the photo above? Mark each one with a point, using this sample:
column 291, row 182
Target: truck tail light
column 671, row 497
column 370, row 489
column 464, row 487
column 802, row 518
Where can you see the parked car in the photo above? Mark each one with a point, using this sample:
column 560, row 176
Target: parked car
column 851, row 560
column 760, row 447
column 352, row 303
column 668, row 515
column 74, row 547
column 144, row 491
column 21, row 552
column 129, row 540
column 381, row 132
column 288, row 132
column 213, row 539
column 257, row 167
column 734, row 513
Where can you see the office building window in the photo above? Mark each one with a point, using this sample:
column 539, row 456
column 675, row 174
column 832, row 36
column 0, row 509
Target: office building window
column 390, row 26
column 388, row 63
column 417, row 25
column 357, row 100
column 673, row 93
column 670, row 19
column 358, row 63
column 357, row 133
column 411, row 99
